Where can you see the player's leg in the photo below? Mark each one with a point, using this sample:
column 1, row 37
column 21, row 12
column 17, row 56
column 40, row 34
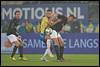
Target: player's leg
column 43, row 38
column 21, row 48
column 43, row 58
column 48, row 47
column 56, row 45
column 61, row 43
column 15, row 49
column 21, row 53
column 18, row 44
column 13, row 53
column 47, row 51
column 13, row 39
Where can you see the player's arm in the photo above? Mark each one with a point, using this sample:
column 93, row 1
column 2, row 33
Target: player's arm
column 44, row 23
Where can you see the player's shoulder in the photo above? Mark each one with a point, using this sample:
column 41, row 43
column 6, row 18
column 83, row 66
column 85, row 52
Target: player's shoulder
column 44, row 17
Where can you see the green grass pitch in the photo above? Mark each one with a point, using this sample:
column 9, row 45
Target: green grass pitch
column 70, row 60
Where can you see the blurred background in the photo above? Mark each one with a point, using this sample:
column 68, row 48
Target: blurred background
column 93, row 13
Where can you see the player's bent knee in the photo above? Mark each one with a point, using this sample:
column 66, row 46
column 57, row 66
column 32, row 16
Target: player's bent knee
column 55, row 41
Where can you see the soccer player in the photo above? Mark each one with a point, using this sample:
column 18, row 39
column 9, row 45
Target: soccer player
column 56, row 23
column 45, row 34
column 48, row 43
column 14, row 37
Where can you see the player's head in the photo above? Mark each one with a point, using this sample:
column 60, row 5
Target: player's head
column 71, row 18
column 49, row 13
column 17, row 14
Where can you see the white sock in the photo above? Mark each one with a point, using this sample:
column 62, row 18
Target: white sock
column 48, row 46
column 46, row 52
column 49, row 52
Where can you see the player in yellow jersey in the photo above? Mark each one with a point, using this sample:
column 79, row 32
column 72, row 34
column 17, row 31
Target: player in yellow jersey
column 45, row 34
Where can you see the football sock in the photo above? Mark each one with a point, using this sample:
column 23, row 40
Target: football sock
column 57, row 51
column 21, row 51
column 61, row 51
column 46, row 52
column 14, row 51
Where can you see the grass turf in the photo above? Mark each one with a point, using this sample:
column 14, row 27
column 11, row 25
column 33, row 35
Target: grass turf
column 70, row 60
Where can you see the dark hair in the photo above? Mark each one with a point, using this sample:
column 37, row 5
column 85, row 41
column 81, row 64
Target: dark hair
column 17, row 11
column 72, row 16
column 49, row 10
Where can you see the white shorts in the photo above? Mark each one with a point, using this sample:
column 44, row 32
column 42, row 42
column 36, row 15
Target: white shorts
column 12, row 38
column 54, row 34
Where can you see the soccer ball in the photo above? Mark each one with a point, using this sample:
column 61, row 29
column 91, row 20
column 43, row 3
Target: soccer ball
column 48, row 30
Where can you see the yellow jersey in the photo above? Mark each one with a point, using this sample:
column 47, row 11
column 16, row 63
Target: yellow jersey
column 44, row 24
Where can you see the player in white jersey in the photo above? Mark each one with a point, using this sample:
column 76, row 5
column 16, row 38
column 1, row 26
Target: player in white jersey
column 48, row 43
